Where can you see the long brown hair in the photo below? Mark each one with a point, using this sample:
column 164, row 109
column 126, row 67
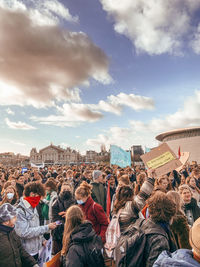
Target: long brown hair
column 124, row 194
column 15, row 197
column 73, row 218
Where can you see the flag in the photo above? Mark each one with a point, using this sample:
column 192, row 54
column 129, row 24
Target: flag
column 108, row 201
column 119, row 157
column 179, row 152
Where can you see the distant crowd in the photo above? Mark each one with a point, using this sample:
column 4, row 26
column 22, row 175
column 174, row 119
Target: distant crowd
column 99, row 215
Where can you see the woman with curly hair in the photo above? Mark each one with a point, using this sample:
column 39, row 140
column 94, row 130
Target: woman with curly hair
column 28, row 224
column 180, row 226
column 80, row 241
column 159, row 237
column 93, row 211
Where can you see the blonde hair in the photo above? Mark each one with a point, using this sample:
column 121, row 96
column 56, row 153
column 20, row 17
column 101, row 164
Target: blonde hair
column 84, row 190
column 73, row 218
column 183, row 187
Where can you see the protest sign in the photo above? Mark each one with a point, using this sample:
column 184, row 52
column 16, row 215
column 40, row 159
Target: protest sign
column 119, row 157
column 55, row 261
column 45, row 253
column 183, row 159
column 162, row 159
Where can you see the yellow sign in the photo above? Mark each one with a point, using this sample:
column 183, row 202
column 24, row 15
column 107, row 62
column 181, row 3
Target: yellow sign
column 161, row 160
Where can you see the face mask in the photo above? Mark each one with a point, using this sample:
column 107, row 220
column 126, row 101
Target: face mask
column 33, row 201
column 10, row 195
column 80, row 202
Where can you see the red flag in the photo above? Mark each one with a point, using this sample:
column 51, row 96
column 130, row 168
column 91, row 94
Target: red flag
column 108, row 201
column 179, row 152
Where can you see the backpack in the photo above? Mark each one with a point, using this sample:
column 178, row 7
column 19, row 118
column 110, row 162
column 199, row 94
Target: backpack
column 112, row 236
column 93, row 252
column 131, row 245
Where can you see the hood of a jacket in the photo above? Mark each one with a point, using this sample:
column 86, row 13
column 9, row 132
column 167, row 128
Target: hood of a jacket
column 83, row 233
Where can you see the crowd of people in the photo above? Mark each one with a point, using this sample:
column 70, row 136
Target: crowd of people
column 99, row 215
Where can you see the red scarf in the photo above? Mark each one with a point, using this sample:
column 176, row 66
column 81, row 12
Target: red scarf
column 33, row 201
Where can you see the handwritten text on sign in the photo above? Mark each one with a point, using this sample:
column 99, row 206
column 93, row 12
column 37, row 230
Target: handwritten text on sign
column 160, row 161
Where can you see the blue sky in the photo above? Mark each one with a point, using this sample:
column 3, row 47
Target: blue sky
column 106, row 71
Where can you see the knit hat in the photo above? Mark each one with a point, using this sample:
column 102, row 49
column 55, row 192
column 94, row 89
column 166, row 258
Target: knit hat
column 195, row 236
column 7, row 212
column 96, row 174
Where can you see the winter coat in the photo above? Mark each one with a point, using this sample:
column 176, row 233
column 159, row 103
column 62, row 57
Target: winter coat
column 28, row 227
column 156, row 242
column 12, row 253
column 80, row 242
column 193, row 210
column 96, row 215
column 131, row 211
column 180, row 229
column 99, row 194
column 58, row 206
column 180, row 258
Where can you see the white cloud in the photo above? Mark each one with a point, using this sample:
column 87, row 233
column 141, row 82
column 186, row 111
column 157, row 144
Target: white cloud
column 142, row 133
column 41, row 12
column 73, row 114
column 154, row 27
column 10, row 112
column 19, row 125
column 70, row 115
column 43, row 65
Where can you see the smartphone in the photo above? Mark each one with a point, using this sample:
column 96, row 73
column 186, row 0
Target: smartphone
column 58, row 222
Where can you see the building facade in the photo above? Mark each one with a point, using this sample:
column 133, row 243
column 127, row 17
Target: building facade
column 54, row 155
column 188, row 139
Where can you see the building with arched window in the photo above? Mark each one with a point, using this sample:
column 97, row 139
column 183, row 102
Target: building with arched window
column 188, row 139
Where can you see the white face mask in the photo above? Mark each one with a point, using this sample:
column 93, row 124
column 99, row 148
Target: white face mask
column 10, row 195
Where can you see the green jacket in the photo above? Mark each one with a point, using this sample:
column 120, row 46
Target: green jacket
column 12, row 253
column 99, row 194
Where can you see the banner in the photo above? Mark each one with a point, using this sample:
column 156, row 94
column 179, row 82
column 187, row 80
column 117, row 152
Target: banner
column 119, row 157
column 55, row 261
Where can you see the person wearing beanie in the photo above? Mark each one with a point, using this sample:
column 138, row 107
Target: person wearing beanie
column 12, row 253
column 98, row 189
column 183, row 257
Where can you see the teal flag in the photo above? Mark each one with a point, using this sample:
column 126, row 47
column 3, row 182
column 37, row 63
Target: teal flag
column 119, row 157
column 147, row 149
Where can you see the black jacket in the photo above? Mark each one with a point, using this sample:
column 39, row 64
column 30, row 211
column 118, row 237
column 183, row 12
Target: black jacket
column 12, row 253
column 58, row 206
column 193, row 207
column 83, row 240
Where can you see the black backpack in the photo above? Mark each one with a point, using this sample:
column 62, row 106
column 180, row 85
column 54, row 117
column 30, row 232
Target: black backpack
column 131, row 245
column 93, row 251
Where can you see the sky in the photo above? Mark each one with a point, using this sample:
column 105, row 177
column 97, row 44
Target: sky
column 82, row 73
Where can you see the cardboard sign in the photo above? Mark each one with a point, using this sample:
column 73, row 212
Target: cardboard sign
column 183, row 159
column 162, row 159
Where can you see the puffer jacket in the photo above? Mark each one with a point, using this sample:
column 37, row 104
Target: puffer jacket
column 132, row 209
column 28, row 227
column 12, row 253
column 180, row 258
column 82, row 241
